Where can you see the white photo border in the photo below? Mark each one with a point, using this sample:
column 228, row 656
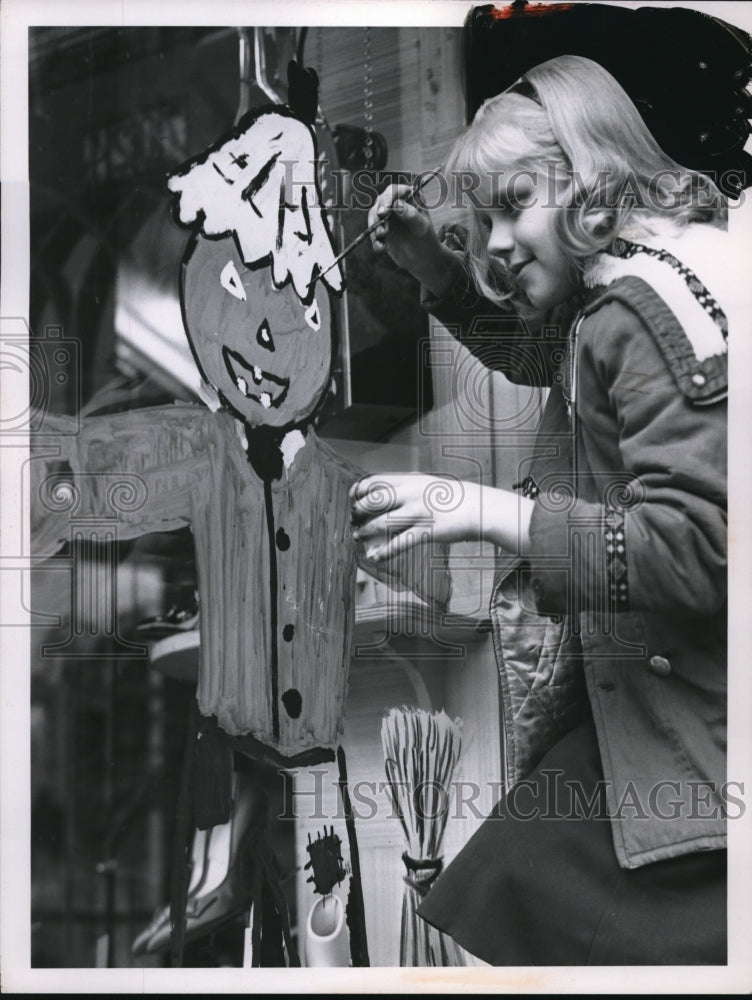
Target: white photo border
column 16, row 16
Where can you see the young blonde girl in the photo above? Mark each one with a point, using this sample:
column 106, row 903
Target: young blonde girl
column 609, row 844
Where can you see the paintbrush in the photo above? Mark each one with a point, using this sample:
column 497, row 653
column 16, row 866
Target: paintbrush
column 418, row 184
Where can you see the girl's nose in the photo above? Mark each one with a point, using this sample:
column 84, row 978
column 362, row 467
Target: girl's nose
column 501, row 237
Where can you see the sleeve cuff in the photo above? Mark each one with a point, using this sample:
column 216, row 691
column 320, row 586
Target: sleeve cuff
column 614, row 540
column 578, row 556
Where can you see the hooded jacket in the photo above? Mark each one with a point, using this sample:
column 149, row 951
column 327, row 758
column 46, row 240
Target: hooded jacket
column 620, row 607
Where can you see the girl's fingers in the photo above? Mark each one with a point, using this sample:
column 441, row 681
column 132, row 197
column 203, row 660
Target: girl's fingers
column 390, row 194
column 377, row 211
column 385, row 201
column 404, row 209
column 363, row 486
column 410, row 216
column 358, row 489
column 397, row 544
column 378, row 237
column 404, row 215
column 391, row 488
column 382, row 205
column 365, row 510
column 372, row 497
column 371, row 528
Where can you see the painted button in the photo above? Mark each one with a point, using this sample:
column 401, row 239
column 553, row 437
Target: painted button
column 283, row 540
column 698, row 379
column 660, row 666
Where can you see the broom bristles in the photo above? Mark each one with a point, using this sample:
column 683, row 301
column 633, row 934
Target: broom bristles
column 421, row 751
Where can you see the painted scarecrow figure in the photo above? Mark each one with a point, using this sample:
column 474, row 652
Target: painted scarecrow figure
column 266, row 500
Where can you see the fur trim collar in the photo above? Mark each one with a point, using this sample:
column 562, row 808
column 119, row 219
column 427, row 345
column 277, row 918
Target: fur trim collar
column 665, row 264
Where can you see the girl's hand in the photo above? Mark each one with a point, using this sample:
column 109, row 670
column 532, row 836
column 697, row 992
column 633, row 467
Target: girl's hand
column 393, row 512
column 406, row 233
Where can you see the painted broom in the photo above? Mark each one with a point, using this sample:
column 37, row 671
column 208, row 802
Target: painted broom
column 421, row 750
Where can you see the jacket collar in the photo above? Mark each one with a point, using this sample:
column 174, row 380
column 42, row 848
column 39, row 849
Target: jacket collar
column 683, row 268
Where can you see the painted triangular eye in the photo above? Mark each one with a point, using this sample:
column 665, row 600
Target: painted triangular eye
column 264, row 336
column 229, row 279
column 313, row 316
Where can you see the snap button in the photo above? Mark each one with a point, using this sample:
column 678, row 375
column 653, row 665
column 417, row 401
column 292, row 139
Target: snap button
column 660, row 666
column 698, row 379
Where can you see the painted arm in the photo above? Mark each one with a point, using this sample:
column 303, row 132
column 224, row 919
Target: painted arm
column 139, row 468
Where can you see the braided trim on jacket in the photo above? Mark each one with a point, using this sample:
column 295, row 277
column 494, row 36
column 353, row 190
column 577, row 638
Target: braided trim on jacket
column 616, row 558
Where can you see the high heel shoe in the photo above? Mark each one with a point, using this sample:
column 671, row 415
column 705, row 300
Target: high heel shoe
column 199, row 871
column 206, row 912
column 210, row 908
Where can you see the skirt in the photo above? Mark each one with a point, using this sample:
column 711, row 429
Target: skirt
column 531, row 889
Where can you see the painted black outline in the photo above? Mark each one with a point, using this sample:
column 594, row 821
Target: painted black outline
column 248, row 120
column 231, row 357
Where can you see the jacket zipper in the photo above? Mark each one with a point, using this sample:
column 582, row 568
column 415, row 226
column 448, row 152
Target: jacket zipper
column 506, row 770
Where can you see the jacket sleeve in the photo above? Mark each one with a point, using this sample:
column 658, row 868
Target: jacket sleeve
column 138, row 469
column 520, row 348
column 656, row 539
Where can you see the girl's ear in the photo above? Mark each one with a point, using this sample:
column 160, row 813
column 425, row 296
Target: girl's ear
column 599, row 222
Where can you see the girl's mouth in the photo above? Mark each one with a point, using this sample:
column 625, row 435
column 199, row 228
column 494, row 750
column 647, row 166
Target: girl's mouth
column 517, row 269
column 265, row 388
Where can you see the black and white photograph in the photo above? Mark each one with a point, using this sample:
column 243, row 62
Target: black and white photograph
column 375, row 546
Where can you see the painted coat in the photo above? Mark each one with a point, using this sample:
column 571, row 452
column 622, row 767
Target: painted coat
column 620, row 609
column 275, row 642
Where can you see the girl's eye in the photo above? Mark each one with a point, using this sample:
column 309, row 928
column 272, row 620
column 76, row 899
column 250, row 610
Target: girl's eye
column 520, row 199
column 517, row 203
column 229, row 279
column 505, row 207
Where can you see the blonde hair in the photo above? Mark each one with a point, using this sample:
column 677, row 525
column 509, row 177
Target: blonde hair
column 570, row 118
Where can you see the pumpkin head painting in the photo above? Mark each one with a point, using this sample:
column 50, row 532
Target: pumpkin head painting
column 267, row 355
column 258, row 322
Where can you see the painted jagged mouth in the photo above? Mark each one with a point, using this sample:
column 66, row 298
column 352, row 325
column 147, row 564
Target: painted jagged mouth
column 266, row 389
